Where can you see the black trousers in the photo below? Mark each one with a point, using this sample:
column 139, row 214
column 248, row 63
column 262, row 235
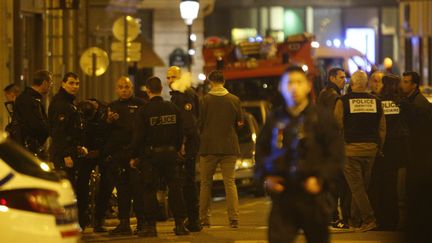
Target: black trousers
column 152, row 168
column 339, row 190
column 383, row 188
column 383, row 194
column 116, row 172
column 190, row 191
column 293, row 211
column 84, row 170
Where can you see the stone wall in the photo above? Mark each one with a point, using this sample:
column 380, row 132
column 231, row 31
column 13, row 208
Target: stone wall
column 169, row 33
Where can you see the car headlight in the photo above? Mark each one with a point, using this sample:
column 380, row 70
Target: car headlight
column 244, row 164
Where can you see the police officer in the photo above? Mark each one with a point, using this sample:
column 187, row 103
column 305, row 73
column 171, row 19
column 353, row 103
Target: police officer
column 362, row 121
column 186, row 99
column 158, row 136
column 383, row 188
column 299, row 151
column 66, row 127
column 115, row 170
column 93, row 114
column 30, row 115
column 67, row 133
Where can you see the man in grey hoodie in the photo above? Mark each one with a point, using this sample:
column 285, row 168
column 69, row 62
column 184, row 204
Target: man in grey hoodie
column 220, row 116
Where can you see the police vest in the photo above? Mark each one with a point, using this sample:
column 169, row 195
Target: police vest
column 362, row 112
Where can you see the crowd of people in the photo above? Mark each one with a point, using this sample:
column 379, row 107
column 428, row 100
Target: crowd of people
column 137, row 144
column 345, row 150
column 334, row 160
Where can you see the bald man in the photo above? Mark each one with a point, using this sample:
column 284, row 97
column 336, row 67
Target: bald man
column 362, row 120
column 116, row 172
column 186, row 99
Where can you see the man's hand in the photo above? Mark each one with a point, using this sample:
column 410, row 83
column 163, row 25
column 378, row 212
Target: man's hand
column 274, row 184
column 312, row 185
column 112, row 116
column 133, row 163
column 68, row 161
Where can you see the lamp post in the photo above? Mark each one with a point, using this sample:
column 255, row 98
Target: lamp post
column 189, row 12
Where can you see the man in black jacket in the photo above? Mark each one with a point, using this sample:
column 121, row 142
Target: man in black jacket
column 93, row 115
column 157, row 139
column 29, row 112
column 65, row 125
column 418, row 115
column 115, row 170
column 67, row 132
column 339, row 188
column 299, row 151
column 329, row 95
column 185, row 98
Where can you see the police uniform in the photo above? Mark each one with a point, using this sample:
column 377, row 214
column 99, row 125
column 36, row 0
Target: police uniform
column 188, row 104
column 360, row 114
column 94, row 135
column 115, row 170
column 295, row 148
column 383, row 185
column 158, row 136
column 66, row 131
column 32, row 120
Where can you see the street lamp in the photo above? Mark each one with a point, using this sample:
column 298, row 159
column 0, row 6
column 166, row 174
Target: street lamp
column 189, row 12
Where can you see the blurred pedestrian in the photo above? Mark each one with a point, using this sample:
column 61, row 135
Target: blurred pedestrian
column 186, row 99
column 220, row 116
column 156, row 145
column 418, row 115
column 360, row 117
column 299, row 152
column 338, row 188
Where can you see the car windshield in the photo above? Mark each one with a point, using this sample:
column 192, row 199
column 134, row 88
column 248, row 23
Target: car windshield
column 263, row 88
column 23, row 162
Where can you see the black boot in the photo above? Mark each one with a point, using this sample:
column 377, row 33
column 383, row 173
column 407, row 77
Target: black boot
column 193, row 225
column 140, row 225
column 122, row 229
column 99, row 226
column 180, row 228
column 148, row 230
column 82, row 222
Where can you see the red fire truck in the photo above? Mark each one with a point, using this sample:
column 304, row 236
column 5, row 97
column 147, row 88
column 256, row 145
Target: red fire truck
column 252, row 68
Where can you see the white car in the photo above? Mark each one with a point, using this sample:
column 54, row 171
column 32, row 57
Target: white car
column 35, row 204
column 349, row 59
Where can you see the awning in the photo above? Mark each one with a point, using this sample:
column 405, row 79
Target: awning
column 149, row 58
